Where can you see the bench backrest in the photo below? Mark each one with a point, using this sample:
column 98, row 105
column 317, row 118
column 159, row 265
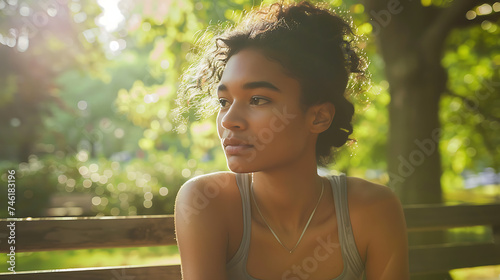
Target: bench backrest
column 46, row 234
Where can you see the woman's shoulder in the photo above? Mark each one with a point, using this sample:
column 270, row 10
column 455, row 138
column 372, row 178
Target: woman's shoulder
column 219, row 178
column 201, row 224
column 368, row 193
column 373, row 204
column 210, row 184
column 379, row 224
column 208, row 192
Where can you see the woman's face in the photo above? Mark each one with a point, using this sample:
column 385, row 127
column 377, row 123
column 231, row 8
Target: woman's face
column 260, row 122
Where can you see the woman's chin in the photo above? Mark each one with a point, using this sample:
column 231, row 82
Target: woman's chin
column 239, row 165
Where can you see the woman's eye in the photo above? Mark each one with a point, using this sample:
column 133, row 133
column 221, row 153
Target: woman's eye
column 223, row 102
column 255, row 100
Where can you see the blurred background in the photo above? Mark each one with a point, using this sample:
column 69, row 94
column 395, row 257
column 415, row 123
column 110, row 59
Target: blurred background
column 87, row 87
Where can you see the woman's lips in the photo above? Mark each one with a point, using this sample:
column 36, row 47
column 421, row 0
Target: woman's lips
column 237, row 149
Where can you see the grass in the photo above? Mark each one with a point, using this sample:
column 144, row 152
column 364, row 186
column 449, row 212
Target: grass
column 477, row 273
column 93, row 258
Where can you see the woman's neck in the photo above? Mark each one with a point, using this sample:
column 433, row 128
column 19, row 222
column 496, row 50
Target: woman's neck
column 288, row 195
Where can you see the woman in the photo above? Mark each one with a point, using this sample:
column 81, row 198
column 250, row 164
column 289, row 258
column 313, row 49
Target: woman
column 280, row 77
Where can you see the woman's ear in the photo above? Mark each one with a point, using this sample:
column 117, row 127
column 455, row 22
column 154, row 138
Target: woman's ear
column 322, row 116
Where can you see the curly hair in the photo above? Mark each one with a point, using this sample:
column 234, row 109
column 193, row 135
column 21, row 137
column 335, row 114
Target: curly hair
column 313, row 44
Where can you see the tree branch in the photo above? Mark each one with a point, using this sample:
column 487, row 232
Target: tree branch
column 444, row 22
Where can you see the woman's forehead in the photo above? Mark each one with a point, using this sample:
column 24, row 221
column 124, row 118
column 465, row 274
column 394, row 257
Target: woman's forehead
column 252, row 64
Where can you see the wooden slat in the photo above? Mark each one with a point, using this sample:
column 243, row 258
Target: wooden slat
column 41, row 234
column 496, row 233
column 441, row 258
column 171, row 272
column 427, row 217
column 46, row 234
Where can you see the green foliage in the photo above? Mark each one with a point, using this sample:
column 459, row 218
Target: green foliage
column 34, row 52
column 469, row 111
column 139, row 186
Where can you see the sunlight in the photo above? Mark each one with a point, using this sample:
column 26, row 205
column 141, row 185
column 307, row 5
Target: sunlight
column 111, row 16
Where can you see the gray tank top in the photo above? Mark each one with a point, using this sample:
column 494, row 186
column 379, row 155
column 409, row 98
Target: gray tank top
column 236, row 268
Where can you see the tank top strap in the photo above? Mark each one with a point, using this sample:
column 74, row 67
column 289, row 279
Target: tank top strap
column 346, row 236
column 243, row 183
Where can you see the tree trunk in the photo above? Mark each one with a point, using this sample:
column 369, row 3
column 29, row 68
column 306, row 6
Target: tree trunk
column 416, row 79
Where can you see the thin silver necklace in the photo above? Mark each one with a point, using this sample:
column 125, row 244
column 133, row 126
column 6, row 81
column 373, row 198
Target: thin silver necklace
column 305, row 228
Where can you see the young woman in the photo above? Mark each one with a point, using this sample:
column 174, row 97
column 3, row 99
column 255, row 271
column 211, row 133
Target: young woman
column 280, row 78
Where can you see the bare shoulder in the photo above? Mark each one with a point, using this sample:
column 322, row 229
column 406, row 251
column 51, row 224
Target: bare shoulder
column 201, row 225
column 206, row 188
column 373, row 202
column 377, row 217
column 210, row 178
column 381, row 229
column 205, row 193
column 365, row 194
column 207, row 183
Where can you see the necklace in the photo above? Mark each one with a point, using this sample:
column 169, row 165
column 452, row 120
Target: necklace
column 305, row 228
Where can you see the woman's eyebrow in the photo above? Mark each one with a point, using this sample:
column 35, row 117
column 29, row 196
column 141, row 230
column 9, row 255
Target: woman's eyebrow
column 261, row 84
column 253, row 85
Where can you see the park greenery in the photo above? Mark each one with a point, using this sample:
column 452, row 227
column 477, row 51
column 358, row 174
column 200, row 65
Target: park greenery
column 87, row 91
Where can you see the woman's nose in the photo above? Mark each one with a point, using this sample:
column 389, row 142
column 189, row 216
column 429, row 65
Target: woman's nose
column 234, row 118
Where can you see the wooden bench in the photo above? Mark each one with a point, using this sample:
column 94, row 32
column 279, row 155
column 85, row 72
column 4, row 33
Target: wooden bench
column 46, row 234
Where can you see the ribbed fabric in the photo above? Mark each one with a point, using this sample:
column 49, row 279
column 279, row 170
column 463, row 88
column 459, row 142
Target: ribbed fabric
column 236, row 268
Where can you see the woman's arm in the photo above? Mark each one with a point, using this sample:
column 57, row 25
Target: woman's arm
column 387, row 251
column 201, row 232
